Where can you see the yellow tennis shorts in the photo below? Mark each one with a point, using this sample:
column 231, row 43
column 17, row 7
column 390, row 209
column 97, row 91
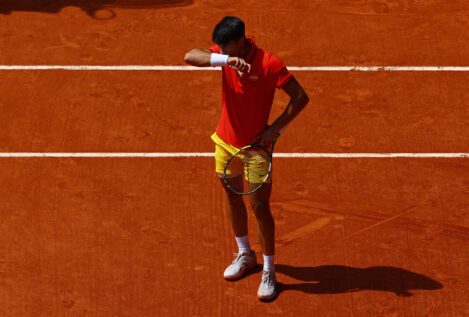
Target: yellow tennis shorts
column 257, row 160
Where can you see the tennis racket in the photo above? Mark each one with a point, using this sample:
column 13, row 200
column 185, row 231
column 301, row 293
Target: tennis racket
column 252, row 166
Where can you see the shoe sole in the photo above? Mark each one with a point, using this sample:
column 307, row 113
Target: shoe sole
column 237, row 277
column 267, row 298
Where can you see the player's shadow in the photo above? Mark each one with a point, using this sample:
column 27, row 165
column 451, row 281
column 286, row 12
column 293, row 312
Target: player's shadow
column 333, row 279
column 99, row 9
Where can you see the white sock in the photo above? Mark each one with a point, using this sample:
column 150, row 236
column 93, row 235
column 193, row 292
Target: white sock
column 269, row 263
column 243, row 244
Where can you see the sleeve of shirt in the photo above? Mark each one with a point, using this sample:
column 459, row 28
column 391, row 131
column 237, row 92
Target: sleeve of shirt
column 279, row 71
column 215, row 49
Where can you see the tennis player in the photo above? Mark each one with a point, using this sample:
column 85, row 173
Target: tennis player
column 250, row 77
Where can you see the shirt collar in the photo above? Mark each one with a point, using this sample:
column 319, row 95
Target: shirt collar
column 252, row 51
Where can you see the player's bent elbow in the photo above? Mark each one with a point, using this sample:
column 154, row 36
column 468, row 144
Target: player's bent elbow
column 198, row 58
column 189, row 58
column 193, row 57
column 302, row 100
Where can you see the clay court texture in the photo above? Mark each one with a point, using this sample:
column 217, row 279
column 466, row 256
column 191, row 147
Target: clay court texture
column 109, row 201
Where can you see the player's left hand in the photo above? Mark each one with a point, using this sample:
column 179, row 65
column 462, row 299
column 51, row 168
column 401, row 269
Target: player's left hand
column 266, row 138
column 239, row 65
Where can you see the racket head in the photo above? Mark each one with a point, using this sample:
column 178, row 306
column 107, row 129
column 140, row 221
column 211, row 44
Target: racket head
column 248, row 169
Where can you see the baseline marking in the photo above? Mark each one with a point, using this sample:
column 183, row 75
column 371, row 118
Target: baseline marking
column 185, row 68
column 209, row 154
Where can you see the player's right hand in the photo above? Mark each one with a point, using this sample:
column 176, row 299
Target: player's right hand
column 239, row 64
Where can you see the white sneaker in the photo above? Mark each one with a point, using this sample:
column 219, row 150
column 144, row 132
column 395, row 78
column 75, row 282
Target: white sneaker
column 268, row 288
column 244, row 261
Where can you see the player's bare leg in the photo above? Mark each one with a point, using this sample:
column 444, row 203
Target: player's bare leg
column 236, row 207
column 266, row 231
column 260, row 203
column 245, row 259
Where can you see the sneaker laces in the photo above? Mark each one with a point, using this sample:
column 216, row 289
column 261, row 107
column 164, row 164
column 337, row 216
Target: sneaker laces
column 240, row 257
column 268, row 278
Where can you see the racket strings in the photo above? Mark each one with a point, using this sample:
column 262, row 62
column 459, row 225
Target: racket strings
column 247, row 170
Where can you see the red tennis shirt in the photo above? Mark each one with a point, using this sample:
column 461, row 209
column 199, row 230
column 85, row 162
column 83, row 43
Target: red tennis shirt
column 247, row 100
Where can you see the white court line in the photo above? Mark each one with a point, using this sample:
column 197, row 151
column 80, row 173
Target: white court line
column 287, row 155
column 185, row 68
column 208, row 154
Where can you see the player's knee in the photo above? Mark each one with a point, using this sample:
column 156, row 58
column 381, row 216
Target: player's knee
column 260, row 208
column 263, row 215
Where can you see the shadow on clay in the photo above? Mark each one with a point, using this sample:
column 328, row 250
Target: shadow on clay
column 335, row 279
column 98, row 9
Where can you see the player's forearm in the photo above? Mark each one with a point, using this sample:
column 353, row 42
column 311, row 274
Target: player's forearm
column 294, row 107
column 198, row 57
column 204, row 58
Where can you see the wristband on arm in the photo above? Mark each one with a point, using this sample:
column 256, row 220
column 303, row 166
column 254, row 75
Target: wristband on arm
column 219, row 59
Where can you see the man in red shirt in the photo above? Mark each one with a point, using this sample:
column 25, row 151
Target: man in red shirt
column 250, row 77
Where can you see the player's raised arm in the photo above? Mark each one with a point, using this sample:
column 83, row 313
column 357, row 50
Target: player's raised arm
column 204, row 58
column 198, row 57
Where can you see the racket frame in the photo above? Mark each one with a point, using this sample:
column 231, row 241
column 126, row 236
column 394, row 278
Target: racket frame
column 269, row 154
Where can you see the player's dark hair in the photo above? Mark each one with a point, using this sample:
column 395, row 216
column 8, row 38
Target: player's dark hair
column 228, row 29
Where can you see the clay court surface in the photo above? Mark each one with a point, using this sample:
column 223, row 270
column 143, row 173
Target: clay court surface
column 151, row 237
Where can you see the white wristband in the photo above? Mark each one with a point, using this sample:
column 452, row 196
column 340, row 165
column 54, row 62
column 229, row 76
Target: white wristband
column 219, row 59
